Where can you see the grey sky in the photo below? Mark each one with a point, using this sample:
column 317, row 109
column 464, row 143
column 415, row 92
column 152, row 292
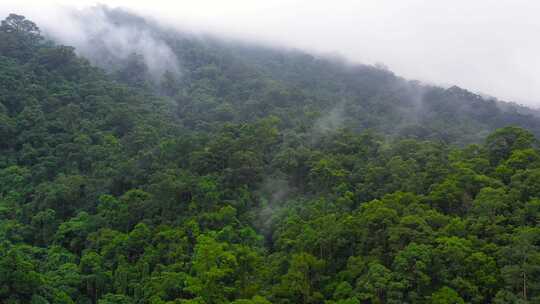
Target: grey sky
column 486, row 46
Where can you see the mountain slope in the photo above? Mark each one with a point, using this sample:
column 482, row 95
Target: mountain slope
column 252, row 175
column 215, row 80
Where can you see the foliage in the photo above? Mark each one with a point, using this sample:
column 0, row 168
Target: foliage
column 234, row 187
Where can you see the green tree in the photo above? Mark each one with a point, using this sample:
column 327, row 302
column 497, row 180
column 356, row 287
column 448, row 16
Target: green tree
column 522, row 259
column 19, row 278
column 213, row 267
column 412, row 267
column 302, row 280
column 19, row 37
column 95, row 276
column 446, row 295
column 502, row 142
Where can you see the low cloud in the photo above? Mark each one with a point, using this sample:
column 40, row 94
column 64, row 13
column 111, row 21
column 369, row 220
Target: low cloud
column 97, row 35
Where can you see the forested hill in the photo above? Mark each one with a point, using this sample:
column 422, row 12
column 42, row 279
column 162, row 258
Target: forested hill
column 214, row 80
column 245, row 175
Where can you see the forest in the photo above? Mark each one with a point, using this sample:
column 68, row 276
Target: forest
column 256, row 175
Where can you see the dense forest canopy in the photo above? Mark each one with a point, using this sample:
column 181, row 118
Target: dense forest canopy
column 255, row 175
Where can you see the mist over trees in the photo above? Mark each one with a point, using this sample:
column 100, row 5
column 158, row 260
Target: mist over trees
column 255, row 175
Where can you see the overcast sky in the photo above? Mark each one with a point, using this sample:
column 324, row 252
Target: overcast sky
column 486, row 46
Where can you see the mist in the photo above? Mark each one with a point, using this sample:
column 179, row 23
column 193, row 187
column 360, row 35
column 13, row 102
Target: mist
column 105, row 43
column 486, row 46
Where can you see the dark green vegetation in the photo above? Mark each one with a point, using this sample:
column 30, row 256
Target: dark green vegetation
column 257, row 176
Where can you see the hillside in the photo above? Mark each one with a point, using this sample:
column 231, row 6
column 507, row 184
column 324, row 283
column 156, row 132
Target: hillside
column 246, row 174
column 215, row 80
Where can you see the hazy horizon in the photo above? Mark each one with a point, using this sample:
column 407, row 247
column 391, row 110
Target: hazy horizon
column 484, row 46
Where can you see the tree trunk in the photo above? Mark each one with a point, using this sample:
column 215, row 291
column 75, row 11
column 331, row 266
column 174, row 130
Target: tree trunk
column 524, row 286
